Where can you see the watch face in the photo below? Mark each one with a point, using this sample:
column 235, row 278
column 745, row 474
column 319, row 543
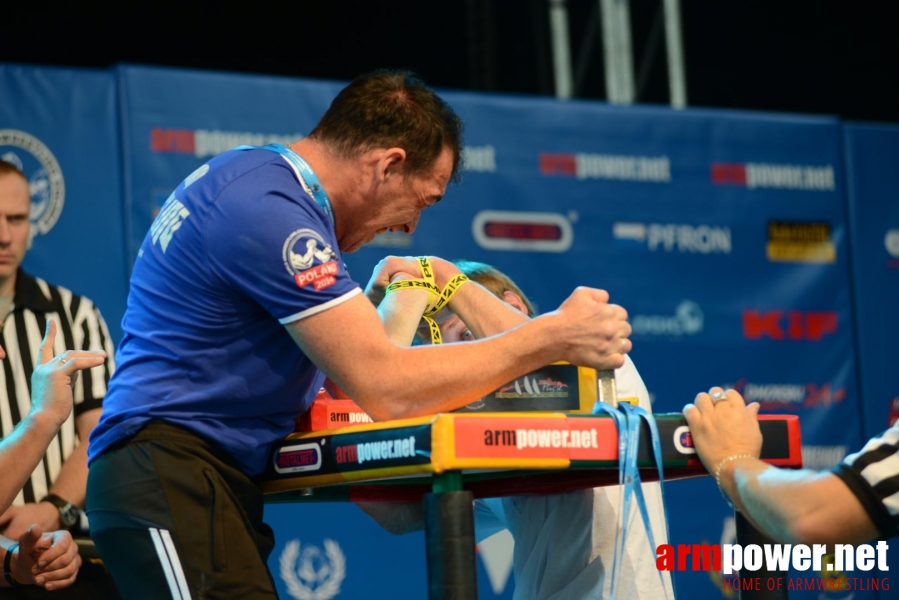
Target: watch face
column 68, row 516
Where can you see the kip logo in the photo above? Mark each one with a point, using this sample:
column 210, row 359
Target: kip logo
column 534, row 388
column 301, row 250
column 203, row 143
column 522, row 231
column 298, row 459
column 45, row 181
column 774, row 176
column 791, row 325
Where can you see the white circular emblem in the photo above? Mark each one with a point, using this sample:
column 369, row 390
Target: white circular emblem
column 891, row 241
column 304, row 248
column 48, row 189
column 311, row 575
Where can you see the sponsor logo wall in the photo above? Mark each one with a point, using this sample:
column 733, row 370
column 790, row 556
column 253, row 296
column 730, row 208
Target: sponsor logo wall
column 725, row 235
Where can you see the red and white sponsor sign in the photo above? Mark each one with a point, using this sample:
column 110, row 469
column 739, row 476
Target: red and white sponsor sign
column 320, row 276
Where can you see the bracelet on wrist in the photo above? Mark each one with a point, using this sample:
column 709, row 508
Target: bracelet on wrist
column 7, row 566
column 730, row 458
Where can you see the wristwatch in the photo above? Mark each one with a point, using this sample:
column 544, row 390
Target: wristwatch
column 69, row 514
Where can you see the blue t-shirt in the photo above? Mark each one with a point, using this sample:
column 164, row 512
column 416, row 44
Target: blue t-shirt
column 238, row 251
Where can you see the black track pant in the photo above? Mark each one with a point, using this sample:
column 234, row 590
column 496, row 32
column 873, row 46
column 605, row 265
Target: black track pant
column 172, row 519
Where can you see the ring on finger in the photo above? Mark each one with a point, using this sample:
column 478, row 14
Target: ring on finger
column 719, row 396
column 61, row 359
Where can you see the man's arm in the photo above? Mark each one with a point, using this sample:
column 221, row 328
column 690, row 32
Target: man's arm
column 51, row 405
column 348, row 342
column 792, row 506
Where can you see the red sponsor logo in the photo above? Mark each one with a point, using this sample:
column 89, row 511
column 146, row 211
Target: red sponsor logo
column 728, row 174
column 320, row 276
column 178, row 141
column 558, row 164
column 523, row 231
column 792, row 325
column 298, row 458
column 346, row 454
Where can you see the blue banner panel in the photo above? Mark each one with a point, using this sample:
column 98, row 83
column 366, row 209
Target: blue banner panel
column 326, row 551
column 723, row 234
column 872, row 153
column 59, row 126
column 175, row 120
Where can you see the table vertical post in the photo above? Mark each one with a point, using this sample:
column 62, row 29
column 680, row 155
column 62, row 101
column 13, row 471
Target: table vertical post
column 748, row 534
column 449, row 537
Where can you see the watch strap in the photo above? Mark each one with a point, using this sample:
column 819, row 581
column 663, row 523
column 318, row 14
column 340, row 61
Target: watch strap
column 7, row 566
column 65, row 508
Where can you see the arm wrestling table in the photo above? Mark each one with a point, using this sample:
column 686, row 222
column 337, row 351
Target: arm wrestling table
column 448, row 459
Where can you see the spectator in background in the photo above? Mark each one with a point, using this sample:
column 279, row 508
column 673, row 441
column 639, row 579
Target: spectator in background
column 854, row 502
column 54, row 495
column 21, row 451
column 564, row 543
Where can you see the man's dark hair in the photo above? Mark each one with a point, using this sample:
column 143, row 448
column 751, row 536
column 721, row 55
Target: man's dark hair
column 392, row 109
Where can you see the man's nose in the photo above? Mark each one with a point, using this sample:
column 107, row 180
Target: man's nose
column 4, row 231
column 410, row 226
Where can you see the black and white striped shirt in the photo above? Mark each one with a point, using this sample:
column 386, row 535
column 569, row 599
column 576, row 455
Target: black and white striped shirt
column 79, row 326
column 873, row 476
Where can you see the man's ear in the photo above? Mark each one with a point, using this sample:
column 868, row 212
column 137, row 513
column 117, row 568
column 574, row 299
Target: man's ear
column 515, row 300
column 390, row 164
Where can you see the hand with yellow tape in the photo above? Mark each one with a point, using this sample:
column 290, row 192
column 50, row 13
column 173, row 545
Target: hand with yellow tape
column 405, row 296
column 440, row 271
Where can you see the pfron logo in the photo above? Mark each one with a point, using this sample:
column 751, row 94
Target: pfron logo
column 694, row 239
column 653, row 169
column 45, row 180
column 792, row 325
column 311, row 575
column 522, row 231
column 301, row 251
column 686, row 320
column 203, row 143
column 771, row 176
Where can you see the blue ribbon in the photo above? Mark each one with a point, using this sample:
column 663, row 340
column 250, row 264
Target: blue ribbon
column 306, row 173
column 627, row 420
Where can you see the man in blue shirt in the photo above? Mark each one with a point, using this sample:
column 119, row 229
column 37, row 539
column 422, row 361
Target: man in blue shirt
column 240, row 304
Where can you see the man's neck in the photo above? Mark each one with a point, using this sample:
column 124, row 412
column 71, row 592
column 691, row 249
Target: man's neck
column 8, row 286
column 337, row 175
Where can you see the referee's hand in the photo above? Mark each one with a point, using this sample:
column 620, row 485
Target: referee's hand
column 55, row 376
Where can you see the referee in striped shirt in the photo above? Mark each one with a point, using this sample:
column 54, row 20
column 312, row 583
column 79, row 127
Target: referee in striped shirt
column 54, row 495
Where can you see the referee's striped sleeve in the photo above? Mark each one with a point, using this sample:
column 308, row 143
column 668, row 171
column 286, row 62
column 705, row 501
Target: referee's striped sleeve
column 872, row 474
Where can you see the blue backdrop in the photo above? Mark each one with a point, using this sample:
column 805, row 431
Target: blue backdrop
column 758, row 251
